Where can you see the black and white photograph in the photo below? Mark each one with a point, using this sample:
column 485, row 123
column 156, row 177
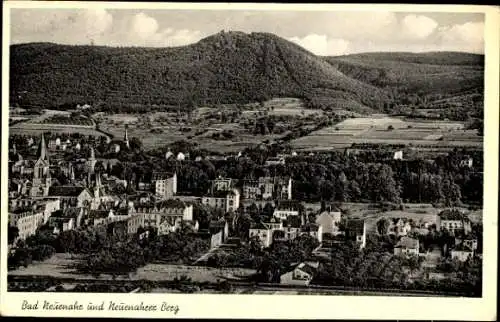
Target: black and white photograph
column 245, row 151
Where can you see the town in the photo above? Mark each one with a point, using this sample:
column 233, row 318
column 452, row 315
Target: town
column 365, row 219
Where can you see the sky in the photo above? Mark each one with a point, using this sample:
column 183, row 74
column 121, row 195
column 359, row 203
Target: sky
column 321, row 32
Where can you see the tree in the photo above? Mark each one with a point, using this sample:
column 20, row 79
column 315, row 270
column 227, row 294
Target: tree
column 382, row 226
column 12, row 234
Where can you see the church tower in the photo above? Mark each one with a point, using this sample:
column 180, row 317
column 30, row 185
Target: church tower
column 41, row 172
column 91, row 162
column 125, row 138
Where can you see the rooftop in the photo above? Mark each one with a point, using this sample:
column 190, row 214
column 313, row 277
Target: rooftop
column 452, row 214
column 407, row 242
column 66, row 191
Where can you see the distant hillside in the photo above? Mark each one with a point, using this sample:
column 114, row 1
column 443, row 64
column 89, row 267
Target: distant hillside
column 435, row 73
column 229, row 67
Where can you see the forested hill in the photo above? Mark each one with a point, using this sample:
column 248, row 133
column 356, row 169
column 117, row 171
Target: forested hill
column 433, row 73
column 228, row 67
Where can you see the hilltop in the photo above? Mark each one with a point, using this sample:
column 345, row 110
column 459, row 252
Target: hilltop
column 235, row 67
column 228, row 67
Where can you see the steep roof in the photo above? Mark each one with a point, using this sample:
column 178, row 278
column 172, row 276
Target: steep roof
column 452, row 214
column 42, row 150
column 171, row 203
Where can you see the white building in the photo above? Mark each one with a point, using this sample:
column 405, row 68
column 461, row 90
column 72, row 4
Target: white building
column 329, row 221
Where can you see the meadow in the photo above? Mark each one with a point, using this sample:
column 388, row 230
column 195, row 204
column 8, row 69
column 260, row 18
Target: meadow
column 380, row 129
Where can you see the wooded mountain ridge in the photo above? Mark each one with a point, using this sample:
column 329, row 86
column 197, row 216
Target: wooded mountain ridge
column 231, row 67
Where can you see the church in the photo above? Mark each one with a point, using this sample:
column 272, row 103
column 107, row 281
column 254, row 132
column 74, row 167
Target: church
column 41, row 172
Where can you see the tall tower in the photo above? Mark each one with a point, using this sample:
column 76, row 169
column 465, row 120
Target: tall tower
column 41, row 172
column 125, row 138
column 91, row 162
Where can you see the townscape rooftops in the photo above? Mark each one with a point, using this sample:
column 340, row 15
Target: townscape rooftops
column 66, row 191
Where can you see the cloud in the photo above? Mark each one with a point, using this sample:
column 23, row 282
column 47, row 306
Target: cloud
column 463, row 37
column 145, row 31
column 419, row 27
column 321, row 45
column 143, row 25
column 63, row 25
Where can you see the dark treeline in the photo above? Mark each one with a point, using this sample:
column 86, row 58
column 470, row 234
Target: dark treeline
column 371, row 176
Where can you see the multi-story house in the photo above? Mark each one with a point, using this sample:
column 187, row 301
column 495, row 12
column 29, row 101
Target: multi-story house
column 165, row 184
column 285, row 209
column 454, row 221
column 167, row 215
column 225, row 200
column 266, row 188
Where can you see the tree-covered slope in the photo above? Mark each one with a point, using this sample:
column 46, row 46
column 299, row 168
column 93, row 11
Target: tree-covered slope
column 229, row 67
column 434, row 73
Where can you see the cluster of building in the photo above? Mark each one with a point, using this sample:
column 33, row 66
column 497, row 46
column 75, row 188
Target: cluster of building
column 42, row 201
column 453, row 221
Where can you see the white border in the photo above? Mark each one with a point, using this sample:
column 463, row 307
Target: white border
column 288, row 306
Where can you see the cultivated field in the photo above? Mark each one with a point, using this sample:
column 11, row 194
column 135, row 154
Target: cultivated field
column 38, row 129
column 380, row 129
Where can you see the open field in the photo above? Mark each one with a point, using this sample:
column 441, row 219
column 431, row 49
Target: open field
column 61, row 266
column 376, row 130
column 37, row 129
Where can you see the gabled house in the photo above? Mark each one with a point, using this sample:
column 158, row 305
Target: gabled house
column 329, row 221
column 453, row 220
column 407, row 246
column 284, row 209
column 462, row 252
column 225, row 200
column 300, row 274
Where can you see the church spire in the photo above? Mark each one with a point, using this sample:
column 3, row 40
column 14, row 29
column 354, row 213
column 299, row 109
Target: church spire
column 125, row 138
column 42, row 150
